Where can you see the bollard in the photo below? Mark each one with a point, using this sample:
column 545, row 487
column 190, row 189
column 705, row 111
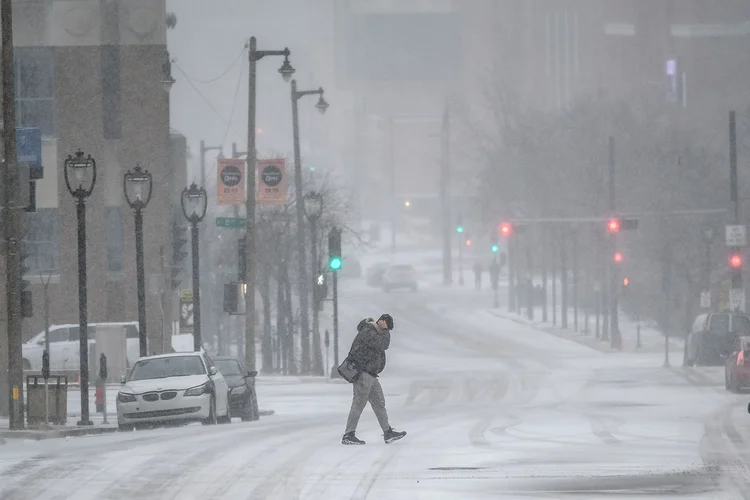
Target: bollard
column 45, row 374
column 638, row 336
column 103, row 378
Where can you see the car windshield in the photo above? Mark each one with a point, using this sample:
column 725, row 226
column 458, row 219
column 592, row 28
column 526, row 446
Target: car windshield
column 228, row 367
column 177, row 366
column 741, row 324
column 719, row 323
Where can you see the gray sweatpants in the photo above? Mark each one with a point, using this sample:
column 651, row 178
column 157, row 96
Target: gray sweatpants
column 367, row 388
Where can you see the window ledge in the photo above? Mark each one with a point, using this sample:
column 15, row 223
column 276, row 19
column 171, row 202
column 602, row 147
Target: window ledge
column 36, row 279
column 115, row 276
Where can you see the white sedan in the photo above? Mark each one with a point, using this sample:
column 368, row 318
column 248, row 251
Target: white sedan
column 173, row 387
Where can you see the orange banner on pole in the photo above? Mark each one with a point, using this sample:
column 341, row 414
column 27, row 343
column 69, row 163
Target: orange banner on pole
column 271, row 182
column 231, row 181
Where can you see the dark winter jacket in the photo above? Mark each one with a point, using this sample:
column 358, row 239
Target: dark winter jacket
column 368, row 349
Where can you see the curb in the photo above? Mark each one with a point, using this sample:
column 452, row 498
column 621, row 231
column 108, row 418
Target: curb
column 41, row 435
column 596, row 345
column 38, row 435
column 570, row 335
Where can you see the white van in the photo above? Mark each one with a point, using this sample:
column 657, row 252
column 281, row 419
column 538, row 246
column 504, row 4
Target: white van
column 64, row 346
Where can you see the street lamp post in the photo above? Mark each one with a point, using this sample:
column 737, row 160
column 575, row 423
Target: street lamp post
column 137, row 186
column 80, row 179
column 322, row 105
column 313, row 204
column 286, row 70
column 194, row 204
column 707, row 235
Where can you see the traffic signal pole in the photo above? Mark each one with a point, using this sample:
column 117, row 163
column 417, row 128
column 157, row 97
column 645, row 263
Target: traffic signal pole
column 615, row 339
column 444, row 198
column 737, row 287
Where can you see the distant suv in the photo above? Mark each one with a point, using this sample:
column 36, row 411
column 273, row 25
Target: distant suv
column 713, row 338
column 400, row 276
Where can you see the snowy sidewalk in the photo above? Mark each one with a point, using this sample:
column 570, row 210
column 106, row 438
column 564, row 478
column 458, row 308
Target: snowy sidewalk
column 651, row 339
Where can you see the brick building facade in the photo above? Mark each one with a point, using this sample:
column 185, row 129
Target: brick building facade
column 89, row 75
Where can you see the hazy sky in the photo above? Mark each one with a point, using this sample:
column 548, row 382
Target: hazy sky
column 207, row 41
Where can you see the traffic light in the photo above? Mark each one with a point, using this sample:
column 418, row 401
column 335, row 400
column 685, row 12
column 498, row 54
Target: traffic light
column 506, row 229
column 178, row 255
column 27, row 309
column 334, row 249
column 242, row 260
column 459, row 229
column 231, row 298
column 735, row 270
column 735, row 261
column 320, row 290
column 616, row 225
column 618, row 257
column 467, row 242
column 495, row 248
column 625, row 282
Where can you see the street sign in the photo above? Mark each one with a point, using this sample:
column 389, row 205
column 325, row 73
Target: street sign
column 736, row 235
column 233, row 222
column 29, row 151
column 706, row 300
column 186, row 311
column 737, row 299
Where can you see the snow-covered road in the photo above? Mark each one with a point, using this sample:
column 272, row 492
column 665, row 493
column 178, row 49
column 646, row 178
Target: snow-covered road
column 494, row 409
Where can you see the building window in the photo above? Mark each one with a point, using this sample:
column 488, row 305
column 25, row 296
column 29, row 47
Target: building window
column 114, row 239
column 111, row 97
column 42, row 241
column 35, row 88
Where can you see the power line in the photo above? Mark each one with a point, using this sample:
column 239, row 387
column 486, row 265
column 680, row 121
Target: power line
column 231, row 116
column 234, row 101
column 222, row 75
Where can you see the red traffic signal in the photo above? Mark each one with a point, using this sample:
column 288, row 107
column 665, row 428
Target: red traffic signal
column 625, row 281
column 618, row 257
column 468, row 243
column 506, row 229
column 613, row 225
column 735, row 261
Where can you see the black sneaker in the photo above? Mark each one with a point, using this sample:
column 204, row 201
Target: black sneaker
column 391, row 435
column 350, row 438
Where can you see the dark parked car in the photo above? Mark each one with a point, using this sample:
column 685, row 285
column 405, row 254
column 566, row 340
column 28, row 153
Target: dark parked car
column 713, row 338
column 737, row 366
column 240, row 388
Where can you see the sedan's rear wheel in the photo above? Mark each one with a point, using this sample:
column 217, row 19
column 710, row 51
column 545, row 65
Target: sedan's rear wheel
column 211, row 419
column 126, row 427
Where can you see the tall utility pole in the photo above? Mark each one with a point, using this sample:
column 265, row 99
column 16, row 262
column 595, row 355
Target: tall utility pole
column 736, row 274
column 392, row 162
column 210, row 283
column 12, row 223
column 286, row 70
column 317, row 355
column 615, row 340
column 444, row 197
column 205, row 149
column 236, row 213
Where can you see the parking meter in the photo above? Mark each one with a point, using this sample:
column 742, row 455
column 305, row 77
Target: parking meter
column 103, row 367
column 45, row 365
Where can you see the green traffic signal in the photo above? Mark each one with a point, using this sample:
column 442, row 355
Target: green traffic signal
column 460, row 229
column 335, row 263
column 495, row 248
